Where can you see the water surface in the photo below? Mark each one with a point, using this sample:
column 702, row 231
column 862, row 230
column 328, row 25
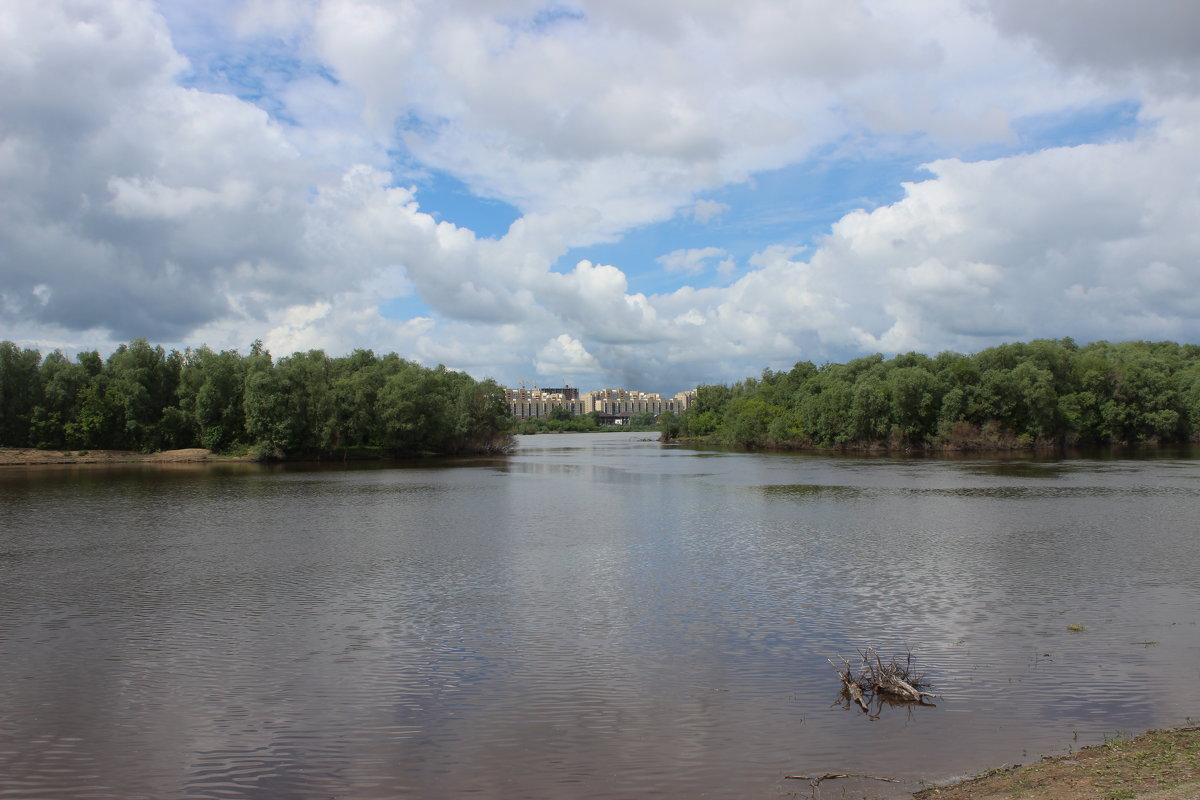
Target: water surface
column 594, row 616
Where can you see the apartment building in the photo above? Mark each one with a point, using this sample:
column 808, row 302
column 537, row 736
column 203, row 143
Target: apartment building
column 536, row 403
column 613, row 405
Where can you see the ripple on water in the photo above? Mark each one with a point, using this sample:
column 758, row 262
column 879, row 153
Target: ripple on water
column 581, row 624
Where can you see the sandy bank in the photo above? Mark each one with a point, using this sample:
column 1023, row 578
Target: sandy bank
column 1158, row 765
column 28, row 456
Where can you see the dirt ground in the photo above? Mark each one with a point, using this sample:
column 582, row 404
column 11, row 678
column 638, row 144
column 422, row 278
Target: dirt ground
column 25, row 456
column 1159, row 765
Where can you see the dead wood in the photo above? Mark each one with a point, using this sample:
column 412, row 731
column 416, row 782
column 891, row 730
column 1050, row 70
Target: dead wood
column 876, row 679
column 850, row 684
column 829, row 776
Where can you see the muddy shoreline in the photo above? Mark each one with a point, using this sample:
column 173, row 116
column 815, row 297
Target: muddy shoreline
column 1157, row 765
column 20, row 456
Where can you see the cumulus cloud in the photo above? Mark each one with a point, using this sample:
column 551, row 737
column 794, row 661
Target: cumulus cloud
column 733, row 91
column 148, row 193
column 565, row 355
column 1080, row 241
column 134, row 200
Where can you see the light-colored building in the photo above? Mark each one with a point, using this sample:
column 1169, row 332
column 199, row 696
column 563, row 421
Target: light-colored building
column 537, row 403
column 614, row 406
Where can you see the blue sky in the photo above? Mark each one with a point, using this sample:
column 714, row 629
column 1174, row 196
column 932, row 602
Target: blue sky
column 609, row 193
column 794, row 205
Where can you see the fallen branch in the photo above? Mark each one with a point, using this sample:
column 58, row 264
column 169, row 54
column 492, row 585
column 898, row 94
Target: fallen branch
column 828, row 776
column 850, row 684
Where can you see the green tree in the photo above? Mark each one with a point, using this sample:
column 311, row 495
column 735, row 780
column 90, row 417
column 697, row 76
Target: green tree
column 870, row 413
column 411, row 410
column 99, row 423
column 485, row 423
column 62, row 383
column 747, row 421
column 999, row 396
column 20, row 393
column 669, row 426
column 1037, row 412
column 210, row 393
column 826, row 404
column 645, row 419
column 357, row 381
column 561, row 414
column 1189, row 399
column 142, row 383
column 706, row 414
column 266, row 404
column 306, row 381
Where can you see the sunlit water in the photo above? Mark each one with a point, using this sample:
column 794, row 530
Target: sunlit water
column 592, row 617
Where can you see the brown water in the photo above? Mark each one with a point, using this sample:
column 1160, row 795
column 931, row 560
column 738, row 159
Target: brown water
column 592, row 617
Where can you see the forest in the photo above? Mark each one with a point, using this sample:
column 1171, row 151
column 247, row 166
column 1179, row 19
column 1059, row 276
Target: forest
column 143, row 398
column 1014, row 396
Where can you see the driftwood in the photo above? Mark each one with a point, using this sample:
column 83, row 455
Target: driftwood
column 815, row 781
column 874, row 679
column 894, row 679
column 850, row 683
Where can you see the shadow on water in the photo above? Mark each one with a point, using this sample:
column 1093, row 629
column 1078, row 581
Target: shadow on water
column 811, row 492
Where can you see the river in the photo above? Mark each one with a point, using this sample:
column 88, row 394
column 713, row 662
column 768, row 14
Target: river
column 594, row 616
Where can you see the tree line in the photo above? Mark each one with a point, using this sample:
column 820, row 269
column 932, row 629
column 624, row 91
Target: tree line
column 1043, row 392
column 563, row 420
column 144, row 398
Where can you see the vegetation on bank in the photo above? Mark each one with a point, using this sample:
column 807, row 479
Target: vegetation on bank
column 561, row 420
column 143, row 398
column 1044, row 392
column 1158, row 765
column 1014, row 396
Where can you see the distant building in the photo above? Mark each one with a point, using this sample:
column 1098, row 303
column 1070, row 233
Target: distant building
column 614, row 406
column 568, row 392
column 536, row 403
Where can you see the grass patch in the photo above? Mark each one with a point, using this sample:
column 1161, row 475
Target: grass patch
column 1121, row 768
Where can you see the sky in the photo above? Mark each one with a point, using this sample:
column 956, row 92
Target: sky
column 603, row 193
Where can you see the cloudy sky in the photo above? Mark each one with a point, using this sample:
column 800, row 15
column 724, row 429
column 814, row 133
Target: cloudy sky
column 602, row 192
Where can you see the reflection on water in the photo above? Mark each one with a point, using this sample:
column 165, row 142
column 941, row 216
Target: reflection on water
column 808, row 491
column 594, row 616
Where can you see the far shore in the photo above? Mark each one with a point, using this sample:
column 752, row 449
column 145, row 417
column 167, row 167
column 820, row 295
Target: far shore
column 26, row 456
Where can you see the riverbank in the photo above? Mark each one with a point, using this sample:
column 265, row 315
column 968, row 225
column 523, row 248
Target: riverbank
column 1157, row 765
column 28, row 456
column 21, row 456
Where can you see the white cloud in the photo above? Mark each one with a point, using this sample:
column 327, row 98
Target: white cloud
column 693, row 261
column 566, row 356
column 705, row 211
column 135, row 198
column 131, row 205
column 630, row 113
column 1156, row 35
